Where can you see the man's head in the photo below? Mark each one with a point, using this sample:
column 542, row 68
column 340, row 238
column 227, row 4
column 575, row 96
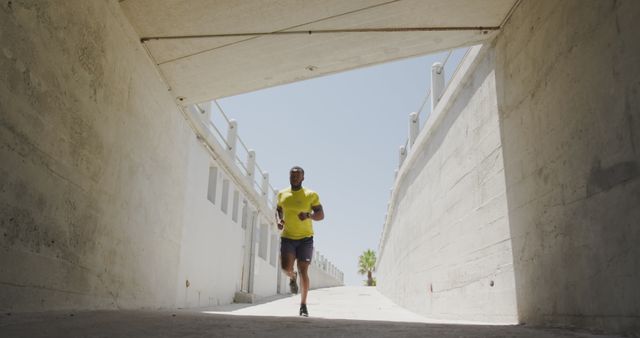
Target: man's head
column 296, row 176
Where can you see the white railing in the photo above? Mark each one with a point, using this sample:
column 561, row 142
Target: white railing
column 439, row 85
column 243, row 157
column 322, row 263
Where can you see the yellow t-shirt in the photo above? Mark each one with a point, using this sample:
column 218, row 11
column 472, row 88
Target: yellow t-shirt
column 292, row 203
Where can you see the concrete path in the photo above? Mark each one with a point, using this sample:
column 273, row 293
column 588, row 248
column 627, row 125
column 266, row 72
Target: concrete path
column 335, row 312
column 347, row 302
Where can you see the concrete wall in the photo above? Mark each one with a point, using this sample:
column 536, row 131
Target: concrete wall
column 536, row 156
column 265, row 273
column 570, row 122
column 321, row 275
column 446, row 252
column 212, row 243
column 94, row 162
column 103, row 183
column 266, row 277
column 321, row 279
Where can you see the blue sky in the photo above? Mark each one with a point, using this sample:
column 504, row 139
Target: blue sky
column 344, row 130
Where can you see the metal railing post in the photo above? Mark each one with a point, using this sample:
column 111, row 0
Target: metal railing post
column 251, row 165
column 265, row 186
column 403, row 155
column 414, row 128
column 232, row 137
column 437, row 84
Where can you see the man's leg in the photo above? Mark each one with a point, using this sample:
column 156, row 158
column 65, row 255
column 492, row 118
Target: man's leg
column 304, row 254
column 303, row 269
column 287, row 267
column 287, row 258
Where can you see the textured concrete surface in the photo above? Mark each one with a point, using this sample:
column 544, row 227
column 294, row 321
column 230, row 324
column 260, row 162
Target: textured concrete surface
column 103, row 184
column 336, row 312
column 93, row 163
column 95, row 159
column 568, row 101
column 569, row 98
column 201, row 69
column 447, row 251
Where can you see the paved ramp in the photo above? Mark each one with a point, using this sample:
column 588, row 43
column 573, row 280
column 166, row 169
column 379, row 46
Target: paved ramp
column 347, row 302
column 335, row 312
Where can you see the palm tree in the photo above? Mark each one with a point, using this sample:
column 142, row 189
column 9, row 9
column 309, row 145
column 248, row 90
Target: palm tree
column 367, row 264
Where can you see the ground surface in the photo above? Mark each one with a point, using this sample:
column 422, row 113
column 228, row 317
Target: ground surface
column 335, row 312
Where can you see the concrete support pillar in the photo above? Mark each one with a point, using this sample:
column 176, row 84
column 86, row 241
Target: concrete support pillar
column 437, row 84
column 252, row 249
column 246, row 295
column 232, row 138
column 414, row 128
column 251, row 165
column 403, row 155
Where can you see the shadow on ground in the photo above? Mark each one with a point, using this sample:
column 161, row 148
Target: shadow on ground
column 187, row 324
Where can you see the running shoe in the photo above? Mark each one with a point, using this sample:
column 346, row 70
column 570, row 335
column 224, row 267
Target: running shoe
column 293, row 284
column 303, row 310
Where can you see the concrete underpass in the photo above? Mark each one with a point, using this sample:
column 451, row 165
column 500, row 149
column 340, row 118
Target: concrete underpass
column 515, row 210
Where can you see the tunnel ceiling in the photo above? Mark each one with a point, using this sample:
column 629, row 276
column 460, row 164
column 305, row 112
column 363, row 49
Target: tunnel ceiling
column 257, row 44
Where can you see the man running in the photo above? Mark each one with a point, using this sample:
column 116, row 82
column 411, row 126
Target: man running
column 297, row 206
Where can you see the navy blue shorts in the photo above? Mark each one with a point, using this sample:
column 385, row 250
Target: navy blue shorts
column 301, row 248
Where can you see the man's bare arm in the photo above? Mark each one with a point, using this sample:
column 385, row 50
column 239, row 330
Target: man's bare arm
column 279, row 219
column 279, row 210
column 317, row 215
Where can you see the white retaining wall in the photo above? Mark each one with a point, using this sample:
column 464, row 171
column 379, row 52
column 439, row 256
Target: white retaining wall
column 529, row 177
column 446, row 250
column 212, row 243
column 322, row 274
